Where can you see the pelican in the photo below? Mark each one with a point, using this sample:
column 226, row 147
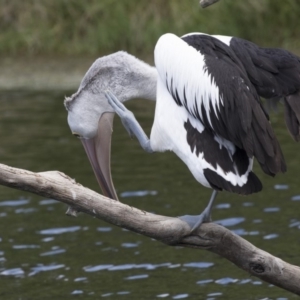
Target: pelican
column 207, row 112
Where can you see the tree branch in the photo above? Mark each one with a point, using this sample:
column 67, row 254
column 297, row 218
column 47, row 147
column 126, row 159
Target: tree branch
column 205, row 3
column 171, row 231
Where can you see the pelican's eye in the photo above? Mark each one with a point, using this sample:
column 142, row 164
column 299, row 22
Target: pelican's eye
column 76, row 134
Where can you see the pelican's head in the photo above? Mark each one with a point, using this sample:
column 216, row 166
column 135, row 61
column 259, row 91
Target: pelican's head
column 93, row 126
column 90, row 117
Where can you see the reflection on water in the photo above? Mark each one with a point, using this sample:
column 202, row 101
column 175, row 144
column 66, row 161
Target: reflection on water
column 137, row 193
column 45, row 254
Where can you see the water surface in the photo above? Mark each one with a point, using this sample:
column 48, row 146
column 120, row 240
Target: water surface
column 44, row 254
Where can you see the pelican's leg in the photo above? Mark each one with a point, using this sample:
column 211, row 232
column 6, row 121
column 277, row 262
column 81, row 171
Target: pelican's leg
column 129, row 121
column 204, row 217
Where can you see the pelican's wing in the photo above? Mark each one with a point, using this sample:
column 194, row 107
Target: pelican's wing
column 274, row 73
column 204, row 75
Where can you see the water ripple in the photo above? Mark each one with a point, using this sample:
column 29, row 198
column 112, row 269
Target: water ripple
column 77, row 292
column 80, row 279
column 146, row 266
column 241, row 232
column 205, row 281
column 230, row 221
column 96, row 268
column 14, row 202
column 44, row 268
column 223, row 206
column 180, row 296
column 138, row 194
column 281, row 187
column 48, row 239
column 134, row 277
column 163, row 295
column 104, row 229
column 53, row 252
column 130, row 245
column 214, row 294
column 201, row 265
column 167, row 264
column 271, row 209
column 107, row 294
column 25, row 210
column 271, row 236
column 123, row 293
column 48, row 201
column 25, row 246
column 59, row 230
column 173, row 266
column 13, row 272
column 226, row 280
column 244, row 281
column 122, row 267
column 295, row 224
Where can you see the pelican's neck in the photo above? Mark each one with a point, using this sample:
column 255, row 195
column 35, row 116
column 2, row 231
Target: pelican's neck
column 124, row 75
column 141, row 80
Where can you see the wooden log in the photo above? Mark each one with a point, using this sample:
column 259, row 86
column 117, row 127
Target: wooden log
column 171, row 231
column 206, row 3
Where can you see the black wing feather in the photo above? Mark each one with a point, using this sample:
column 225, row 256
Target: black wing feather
column 241, row 118
column 275, row 73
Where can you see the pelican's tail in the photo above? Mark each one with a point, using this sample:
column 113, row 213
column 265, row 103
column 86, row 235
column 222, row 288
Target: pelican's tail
column 217, row 182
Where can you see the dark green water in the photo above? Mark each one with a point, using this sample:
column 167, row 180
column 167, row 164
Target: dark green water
column 47, row 255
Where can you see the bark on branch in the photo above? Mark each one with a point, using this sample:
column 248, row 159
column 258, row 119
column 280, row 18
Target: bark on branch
column 171, row 231
column 205, row 3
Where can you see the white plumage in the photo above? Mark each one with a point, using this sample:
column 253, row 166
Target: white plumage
column 188, row 78
column 188, row 92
